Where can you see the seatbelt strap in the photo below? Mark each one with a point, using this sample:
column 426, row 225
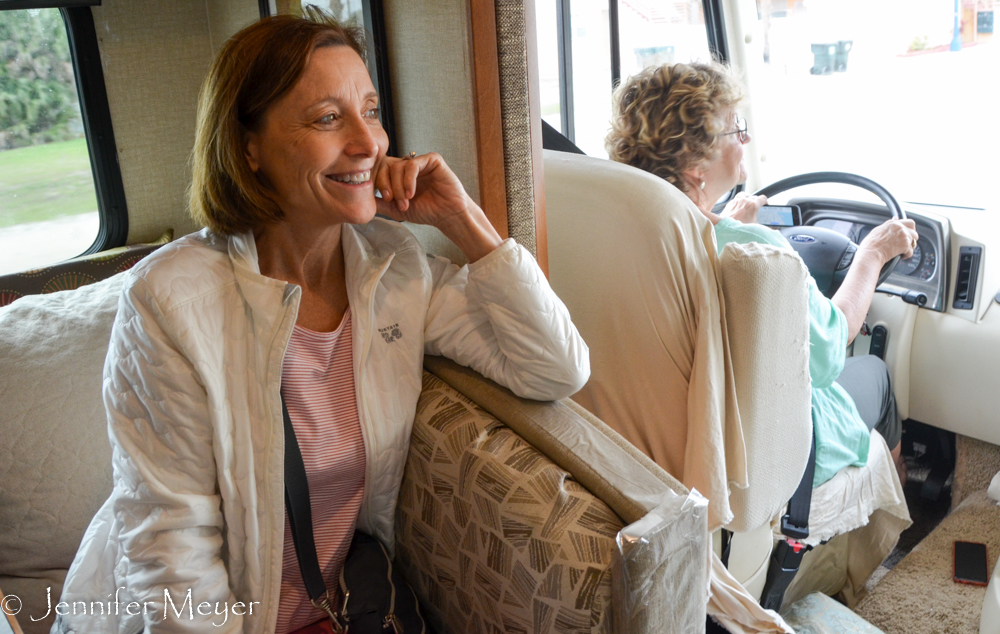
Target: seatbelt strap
column 727, row 543
column 788, row 553
column 795, row 523
column 300, row 522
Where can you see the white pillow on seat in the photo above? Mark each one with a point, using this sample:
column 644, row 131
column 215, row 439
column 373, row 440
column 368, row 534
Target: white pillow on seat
column 55, row 457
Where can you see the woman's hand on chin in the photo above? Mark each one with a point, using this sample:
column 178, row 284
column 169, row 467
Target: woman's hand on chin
column 744, row 208
column 424, row 190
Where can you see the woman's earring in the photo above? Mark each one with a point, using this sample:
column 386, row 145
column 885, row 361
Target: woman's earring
column 703, row 184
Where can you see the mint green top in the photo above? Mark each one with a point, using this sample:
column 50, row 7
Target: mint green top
column 842, row 438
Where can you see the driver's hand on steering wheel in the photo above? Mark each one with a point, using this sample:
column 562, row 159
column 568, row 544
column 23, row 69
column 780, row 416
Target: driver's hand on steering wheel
column 744, row 207
column 891, row 238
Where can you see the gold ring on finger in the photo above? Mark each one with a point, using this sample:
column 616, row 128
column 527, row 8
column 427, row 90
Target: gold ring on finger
column 411, row 155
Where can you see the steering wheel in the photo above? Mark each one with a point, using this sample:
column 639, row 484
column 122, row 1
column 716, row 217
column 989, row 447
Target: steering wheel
column 826, row 253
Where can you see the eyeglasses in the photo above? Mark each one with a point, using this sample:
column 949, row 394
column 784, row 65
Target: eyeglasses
column 741, row 129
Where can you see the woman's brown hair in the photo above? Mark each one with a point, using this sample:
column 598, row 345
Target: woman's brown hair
column 667, row 119
column 254, row 69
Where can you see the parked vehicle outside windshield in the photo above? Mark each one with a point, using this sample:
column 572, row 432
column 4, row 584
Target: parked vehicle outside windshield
column 889, row 89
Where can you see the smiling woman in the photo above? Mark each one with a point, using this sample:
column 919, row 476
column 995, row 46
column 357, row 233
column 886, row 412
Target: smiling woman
column 276, row 303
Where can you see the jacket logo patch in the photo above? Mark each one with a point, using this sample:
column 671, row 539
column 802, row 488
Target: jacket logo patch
column 391, row 333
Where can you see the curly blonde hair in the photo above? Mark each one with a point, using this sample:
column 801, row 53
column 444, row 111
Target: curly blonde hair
column 668, row 118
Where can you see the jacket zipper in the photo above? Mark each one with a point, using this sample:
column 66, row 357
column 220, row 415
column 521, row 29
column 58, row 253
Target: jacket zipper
column 362, row 363
column 390, row 620
column 286, row 310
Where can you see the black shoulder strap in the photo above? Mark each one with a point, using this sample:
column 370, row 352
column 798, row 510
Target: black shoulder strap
column 795, row 523
column 300, row 513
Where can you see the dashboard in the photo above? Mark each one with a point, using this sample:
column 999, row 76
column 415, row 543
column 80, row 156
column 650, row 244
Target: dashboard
column 942, row 357
column 925, row 272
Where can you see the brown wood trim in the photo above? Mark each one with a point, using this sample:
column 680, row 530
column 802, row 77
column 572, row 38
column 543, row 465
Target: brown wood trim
column 489, row 122
column 537, row 159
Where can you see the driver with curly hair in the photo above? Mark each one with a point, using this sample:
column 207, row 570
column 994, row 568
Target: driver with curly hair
column 680, row 123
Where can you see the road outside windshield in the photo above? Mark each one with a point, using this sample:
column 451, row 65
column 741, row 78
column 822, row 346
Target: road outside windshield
column 889, row 89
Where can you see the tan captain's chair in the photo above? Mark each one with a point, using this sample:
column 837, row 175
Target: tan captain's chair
column 720, row 398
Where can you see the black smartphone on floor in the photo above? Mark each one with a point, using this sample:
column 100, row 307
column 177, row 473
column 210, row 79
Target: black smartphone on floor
column 970, row 563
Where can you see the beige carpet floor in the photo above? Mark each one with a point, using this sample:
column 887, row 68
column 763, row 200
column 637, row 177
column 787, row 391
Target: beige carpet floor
column 919, row 596
column 976, row 462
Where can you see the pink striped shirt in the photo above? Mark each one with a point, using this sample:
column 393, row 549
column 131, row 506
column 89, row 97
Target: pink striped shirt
column 317, row 381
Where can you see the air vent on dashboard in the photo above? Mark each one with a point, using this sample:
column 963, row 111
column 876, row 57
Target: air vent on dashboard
column 965, row 281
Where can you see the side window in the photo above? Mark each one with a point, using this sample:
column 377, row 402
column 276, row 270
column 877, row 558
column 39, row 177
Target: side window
column 48, row 201
column 586, row 47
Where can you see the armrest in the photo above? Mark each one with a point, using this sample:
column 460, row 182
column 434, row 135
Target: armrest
column 539, row 474
column 573, row 438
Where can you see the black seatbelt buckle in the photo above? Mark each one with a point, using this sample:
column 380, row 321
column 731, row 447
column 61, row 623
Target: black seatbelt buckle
column 789, row 553
column 791, row 530
column 785, row 560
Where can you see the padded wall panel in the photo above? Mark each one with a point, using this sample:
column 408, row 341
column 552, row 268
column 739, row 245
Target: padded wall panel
column 154, row 59
column 155, row 56
column 430, row 61
column 433, row 241
column 226, row 17
column 431, row 65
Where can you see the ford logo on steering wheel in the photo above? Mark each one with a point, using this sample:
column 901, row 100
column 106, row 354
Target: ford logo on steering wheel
column 798, row 237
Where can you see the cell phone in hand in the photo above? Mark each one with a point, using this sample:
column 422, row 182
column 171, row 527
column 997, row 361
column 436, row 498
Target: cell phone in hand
column 970, row 563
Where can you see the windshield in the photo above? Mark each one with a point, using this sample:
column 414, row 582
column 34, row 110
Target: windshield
column 889, row 89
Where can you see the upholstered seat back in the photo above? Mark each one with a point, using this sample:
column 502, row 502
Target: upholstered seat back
column 700, row 361
column 514, row 519
column 767, row 319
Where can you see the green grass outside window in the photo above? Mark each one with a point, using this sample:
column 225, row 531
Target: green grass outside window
column 43, row 182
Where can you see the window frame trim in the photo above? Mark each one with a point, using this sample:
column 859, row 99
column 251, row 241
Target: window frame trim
column 564, row 44
column 98, row 128
column 715, row 26
column 13, row 5
column 373, row 13
column 615, row 44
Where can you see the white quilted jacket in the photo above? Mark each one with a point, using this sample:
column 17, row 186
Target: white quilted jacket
column 191, row 385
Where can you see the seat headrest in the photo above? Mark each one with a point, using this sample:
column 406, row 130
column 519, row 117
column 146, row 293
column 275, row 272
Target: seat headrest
column 605, row 193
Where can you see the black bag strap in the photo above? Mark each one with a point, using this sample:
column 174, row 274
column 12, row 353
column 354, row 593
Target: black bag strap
column 300, row 519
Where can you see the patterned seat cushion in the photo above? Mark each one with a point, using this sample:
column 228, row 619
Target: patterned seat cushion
column 493, row 535
column 87, row 269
